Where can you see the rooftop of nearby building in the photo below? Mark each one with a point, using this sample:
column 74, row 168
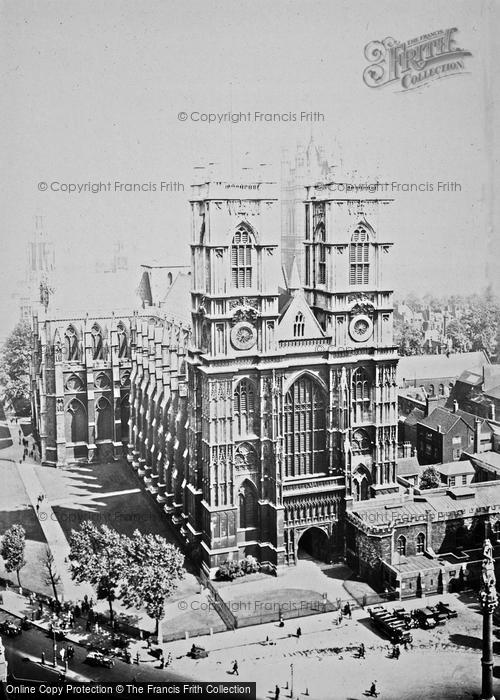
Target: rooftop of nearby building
column 408, row 466
column 415, row 416
column 443, row 503
column 455, row 468
column 445, row 420
column 415, row 367
column 487, row 460
column 472, row 378
column 177, row 301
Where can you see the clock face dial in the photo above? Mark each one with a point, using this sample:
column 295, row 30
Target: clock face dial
column 243, row 336
column 361, row 328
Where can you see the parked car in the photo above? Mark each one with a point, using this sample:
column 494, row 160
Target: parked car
column 439, row 615
column 445, row 608
column 197, row 652
column 95, row 658
column 390, row 626
column 9, row 629
column 405, row 617
column 425, row 618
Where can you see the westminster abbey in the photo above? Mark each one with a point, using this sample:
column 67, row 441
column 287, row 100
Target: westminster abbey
column 256, row 400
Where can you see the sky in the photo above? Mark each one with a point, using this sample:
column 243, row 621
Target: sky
column 92, row 93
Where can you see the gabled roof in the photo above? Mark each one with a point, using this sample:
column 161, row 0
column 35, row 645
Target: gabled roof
column 408, row 466
column 440, row 417
column 415, row 415
column 296, row 305
column 448, row 419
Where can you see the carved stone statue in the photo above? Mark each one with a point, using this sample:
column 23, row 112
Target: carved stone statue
column 488, row 567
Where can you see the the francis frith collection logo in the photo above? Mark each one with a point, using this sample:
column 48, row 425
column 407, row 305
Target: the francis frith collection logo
column 414, row 63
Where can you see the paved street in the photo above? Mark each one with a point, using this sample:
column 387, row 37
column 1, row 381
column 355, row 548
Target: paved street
column 23, row 655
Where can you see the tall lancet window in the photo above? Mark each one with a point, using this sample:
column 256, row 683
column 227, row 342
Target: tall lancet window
column 304, row 428
column 359, row 257
column 320, row 253
column 97, row 345
column 122, row 341
column 299, row 325
column 241, row 258
column 71, row 342
column 244, row 408
column 361, row 396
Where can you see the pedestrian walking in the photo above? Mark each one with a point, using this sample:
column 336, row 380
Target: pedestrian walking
column 42, row 660
column 361, row 651
column 276, row 692
column 235, row 669
column 137, row 658
column 299, row 632
column 373, row 690
column 37, row 507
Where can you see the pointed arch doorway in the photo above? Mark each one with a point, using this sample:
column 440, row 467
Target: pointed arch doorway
column 314, row 544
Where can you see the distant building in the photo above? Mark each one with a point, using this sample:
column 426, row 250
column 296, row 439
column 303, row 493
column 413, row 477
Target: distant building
column 478, row 391
column 436, row 374
column 443, row 435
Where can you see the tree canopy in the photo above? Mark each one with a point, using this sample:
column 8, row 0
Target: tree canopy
column 97, row 557
column 12, row 551
column 154, row 569
column 430, row 479
column 142, row 570
column 15, row 363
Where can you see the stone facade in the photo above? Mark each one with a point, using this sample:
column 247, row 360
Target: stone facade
column 80, row 388
column 425, row 542
column 261, row 415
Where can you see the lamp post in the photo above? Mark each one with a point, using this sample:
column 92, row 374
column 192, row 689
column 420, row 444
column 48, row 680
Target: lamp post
column 489, row 601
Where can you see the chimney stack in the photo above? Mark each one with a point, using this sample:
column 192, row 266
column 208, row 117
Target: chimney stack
column 455, row 406
column 407, row 449
column 492, row 411
column 477, row 436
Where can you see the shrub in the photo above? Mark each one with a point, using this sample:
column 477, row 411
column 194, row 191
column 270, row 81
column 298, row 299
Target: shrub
column 250, row 565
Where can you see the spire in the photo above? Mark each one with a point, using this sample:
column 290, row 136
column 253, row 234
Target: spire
column 294, row 283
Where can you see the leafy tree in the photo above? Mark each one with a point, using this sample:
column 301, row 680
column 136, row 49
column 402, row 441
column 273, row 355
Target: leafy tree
column 154, row 569
column 430, row 479
column 12, row 551
column 50, row 575
column 458, row 335
column 410, row 340
column 15, row 364
column 97, row 557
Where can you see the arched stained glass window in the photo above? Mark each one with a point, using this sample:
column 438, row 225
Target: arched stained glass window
column 304, row 428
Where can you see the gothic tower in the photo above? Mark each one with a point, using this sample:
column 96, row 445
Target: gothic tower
column 230, row 491
column 345, row 261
